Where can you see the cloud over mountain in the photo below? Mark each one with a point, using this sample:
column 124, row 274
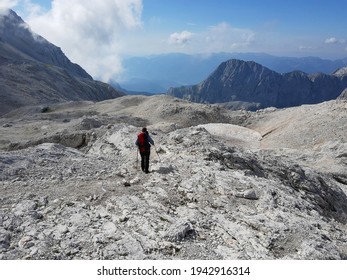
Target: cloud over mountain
column 89, row 31
column 7, row 4
column 34, row 71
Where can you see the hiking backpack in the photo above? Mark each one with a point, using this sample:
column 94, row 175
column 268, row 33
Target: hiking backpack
column 143, row 142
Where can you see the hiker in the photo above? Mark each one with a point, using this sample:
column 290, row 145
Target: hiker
column 143, row 142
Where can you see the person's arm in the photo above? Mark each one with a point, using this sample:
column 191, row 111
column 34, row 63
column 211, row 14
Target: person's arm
column 137, row 142
column 150, row 140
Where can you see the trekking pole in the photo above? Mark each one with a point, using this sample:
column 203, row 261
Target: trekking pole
column 137, row 158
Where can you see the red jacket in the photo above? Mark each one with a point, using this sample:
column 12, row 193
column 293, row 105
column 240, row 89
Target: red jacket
column 144, row 142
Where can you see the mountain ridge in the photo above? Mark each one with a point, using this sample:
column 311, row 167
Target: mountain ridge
column 247, row 81
column 183, row 69
column 34, row 71
column 17, row 35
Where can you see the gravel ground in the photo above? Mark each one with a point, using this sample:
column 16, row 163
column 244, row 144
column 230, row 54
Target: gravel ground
column 71, row 187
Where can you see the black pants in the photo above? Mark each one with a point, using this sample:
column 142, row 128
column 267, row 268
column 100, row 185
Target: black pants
column 145, row 160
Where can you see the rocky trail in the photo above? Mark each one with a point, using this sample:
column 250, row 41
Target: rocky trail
column 210, row 195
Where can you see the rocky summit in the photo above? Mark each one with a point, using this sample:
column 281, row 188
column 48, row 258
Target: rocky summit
column 249, row 85
column 223, row 185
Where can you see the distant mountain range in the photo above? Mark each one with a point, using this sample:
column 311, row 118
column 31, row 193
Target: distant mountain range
column 250, row 85
column 157, row 73
column 34, row 71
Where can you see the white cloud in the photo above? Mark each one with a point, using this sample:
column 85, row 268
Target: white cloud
column 218, row 38
column 89, row 32
column 224, row 37
column 180, row 38
column 331, row 40
column 5, row 5
column 334, row 40
column 305, row 48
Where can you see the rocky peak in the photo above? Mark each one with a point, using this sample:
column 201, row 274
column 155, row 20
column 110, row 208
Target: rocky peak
column 16, row 35
column 295, row 75
column 236, row 67
column 341, row 72
column 247, row 83
column 234, row 80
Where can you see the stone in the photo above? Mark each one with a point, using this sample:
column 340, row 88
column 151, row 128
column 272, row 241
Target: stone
column 248, row 194
column 180, row 232
column 5, row 240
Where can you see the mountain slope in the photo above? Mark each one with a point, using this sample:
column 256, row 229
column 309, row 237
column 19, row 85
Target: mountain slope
column 34, row 71
column 19, row 42
column 250, row 82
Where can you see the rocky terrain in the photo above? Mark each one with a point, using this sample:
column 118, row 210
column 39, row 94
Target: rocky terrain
column 249, row 85
column 33, row 71
column 223, row 184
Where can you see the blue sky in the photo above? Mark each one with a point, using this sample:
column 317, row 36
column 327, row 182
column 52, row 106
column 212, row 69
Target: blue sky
column 294, row 28
column 98, row 34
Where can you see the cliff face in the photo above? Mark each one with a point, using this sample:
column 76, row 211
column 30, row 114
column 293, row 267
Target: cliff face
column 237, row 80
column 34, row 71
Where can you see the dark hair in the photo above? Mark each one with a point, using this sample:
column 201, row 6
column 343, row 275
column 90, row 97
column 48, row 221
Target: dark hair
column 144, row 129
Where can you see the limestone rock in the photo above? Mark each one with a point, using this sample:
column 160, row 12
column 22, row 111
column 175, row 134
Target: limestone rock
column 218, row 191
column 180, row 232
